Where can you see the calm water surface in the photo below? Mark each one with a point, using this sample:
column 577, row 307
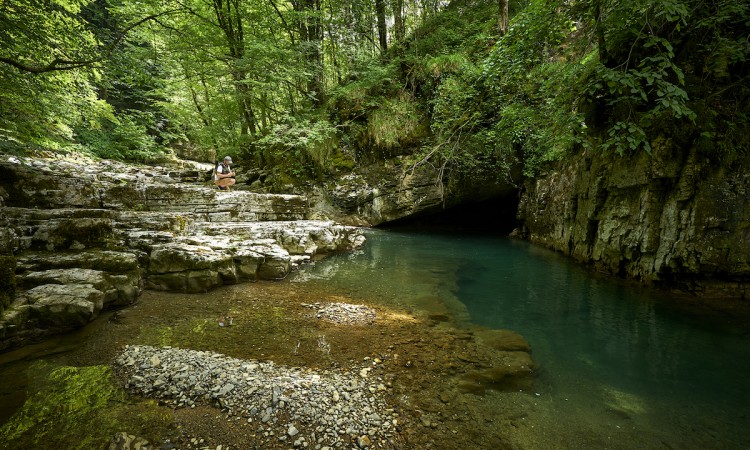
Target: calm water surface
column 619, row 366
column 617, row 363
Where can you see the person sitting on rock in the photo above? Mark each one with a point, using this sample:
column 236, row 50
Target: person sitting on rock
column 224, row 176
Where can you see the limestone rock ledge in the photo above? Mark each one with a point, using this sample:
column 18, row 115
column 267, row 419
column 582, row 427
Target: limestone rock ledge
column 676, row 218
column 81, row 236
column 388, row 192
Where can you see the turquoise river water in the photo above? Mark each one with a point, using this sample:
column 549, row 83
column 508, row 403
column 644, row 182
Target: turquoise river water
column 616, row 362
column 619, row 366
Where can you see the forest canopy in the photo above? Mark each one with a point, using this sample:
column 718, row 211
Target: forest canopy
column 313, row 87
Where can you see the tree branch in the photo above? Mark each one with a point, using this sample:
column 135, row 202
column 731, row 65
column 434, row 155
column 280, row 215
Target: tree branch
column 66, row 64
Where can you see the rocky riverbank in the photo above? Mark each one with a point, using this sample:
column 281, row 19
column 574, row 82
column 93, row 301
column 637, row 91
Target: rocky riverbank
column 675, row 218
column 330, row 374
column 237, row 368
column 80, row 236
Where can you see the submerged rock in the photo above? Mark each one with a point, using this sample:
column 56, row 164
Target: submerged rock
column 125, row 441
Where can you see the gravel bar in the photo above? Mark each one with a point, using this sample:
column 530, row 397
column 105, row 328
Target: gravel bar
column 302, row 407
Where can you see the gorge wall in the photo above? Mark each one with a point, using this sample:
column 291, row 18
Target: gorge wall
column 388, row 192
column 673, row 218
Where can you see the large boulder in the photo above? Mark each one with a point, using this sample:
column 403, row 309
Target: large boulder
column 247, row 261
column 60, row 291
column 276, row 262
column 118, row 289
column 189, row 268
column 63, row 306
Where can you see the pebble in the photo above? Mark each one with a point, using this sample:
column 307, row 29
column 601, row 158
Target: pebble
column 327, row 407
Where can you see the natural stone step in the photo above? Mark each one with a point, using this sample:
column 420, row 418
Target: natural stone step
column 118, row 289
column 105, row 260
column 88, row 235
column 55, row 184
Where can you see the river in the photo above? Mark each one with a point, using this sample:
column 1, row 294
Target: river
column 618, row 365
column 616, row 361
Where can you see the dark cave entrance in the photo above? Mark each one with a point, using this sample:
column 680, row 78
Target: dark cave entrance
column 497, row 215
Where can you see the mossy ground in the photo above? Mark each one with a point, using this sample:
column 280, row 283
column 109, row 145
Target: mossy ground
column 80, row 408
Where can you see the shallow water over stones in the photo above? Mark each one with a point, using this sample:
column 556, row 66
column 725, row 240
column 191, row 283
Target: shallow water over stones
column 440, row 372
column 401, row 360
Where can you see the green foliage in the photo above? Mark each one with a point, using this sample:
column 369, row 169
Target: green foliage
column 531, row 88
column 42, row 109
column 599, row 74
column 534, row 37
column 369, row 85
column 397, row 122
column 464, row 26
column 379, row 118
column 124, row 136
column 301, row 147
column 76, row 107
column 648, row 84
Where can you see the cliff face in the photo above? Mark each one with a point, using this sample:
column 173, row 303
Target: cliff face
column 388, row 192
column 676, row 218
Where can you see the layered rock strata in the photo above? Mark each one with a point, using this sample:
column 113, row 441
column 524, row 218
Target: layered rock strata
column 674, row 218
column 384, row 193
column 81, row 236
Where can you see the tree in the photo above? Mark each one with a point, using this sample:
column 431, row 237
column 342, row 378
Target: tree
column 229, row 15
column 63, row 19
column 397, row 6
column 311, row 41
column 502, row 22
column 382, row 26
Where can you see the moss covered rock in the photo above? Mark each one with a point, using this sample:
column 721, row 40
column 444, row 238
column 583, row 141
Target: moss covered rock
column 7, row 281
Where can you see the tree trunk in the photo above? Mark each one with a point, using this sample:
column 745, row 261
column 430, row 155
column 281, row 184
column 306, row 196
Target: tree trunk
column 398, row 19
column 599, row 30
column 230, row 21
column 502, row 23
column 382, row 26
column 311, row 37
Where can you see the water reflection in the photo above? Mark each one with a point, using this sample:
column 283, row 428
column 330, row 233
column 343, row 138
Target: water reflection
column 620, row 355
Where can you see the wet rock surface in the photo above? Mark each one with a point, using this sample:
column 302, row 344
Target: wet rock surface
column 676, row 218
